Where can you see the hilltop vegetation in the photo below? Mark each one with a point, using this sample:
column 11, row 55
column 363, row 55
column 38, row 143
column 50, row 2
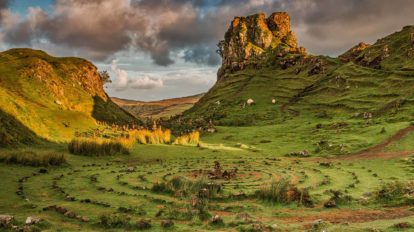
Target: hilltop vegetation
column 49, row 98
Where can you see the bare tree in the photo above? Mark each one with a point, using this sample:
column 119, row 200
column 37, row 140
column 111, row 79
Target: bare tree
column 105, row 78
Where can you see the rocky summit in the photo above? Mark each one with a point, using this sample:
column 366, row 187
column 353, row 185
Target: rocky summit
column 250, row 38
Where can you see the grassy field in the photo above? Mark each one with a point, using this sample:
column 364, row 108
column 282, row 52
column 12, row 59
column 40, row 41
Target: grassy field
column 123, row 185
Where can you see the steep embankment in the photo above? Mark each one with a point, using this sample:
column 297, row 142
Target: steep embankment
column 262, row 62
column 158, row 109
column 51, row 98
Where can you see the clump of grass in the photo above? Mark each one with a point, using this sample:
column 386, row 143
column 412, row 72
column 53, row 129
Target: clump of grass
column 284, row 192
column 191, row 138
column 114, row 221
column 156, row 136
column 185, row 187
column 100, row 147
column 396, row 191
column 31, row 158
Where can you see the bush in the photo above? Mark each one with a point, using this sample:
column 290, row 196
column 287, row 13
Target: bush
column 191, row 138
column 283, row 192
column 31, row 158
column 100, row 147
column 114, row 221
column 394, row 191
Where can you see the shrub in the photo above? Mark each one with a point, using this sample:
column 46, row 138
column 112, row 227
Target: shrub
column 31, row 158
column 284, row 192
column 394, row 191
column 114, row 221
column 100, row 147
column 191, row 138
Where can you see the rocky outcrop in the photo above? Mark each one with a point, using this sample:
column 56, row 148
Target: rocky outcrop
column 249, row 38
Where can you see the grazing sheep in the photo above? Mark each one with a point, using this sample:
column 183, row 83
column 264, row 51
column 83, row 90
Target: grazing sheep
column 250, row 102
column 273, row 101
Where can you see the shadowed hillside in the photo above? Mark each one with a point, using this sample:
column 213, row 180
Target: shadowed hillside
column 53, row 97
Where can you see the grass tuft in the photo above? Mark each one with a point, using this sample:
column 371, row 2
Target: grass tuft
column 191, row 138
column 35, row 159
column 100, row 147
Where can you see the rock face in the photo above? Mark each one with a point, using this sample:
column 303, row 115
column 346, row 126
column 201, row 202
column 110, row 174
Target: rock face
column 249, row 38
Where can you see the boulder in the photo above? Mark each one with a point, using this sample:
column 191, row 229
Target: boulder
column 6, row 220
column 32, row 220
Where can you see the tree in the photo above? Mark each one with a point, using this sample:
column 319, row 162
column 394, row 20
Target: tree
column 105, row 78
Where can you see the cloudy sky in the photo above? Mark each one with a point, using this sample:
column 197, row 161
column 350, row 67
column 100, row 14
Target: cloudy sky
column 156, row 49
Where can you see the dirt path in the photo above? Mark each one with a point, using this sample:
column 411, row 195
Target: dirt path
column 377, row 151
column 353, row 216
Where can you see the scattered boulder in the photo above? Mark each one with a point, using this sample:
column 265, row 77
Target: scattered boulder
column 6, row 220
column 167, row 223
column 33, row 220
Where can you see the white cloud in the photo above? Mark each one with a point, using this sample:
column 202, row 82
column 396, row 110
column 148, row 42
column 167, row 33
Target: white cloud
column 122, row 80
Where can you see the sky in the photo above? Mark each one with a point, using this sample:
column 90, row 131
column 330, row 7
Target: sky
column 158, row 49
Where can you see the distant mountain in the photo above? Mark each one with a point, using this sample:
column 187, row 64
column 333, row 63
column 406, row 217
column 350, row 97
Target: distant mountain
column 262, row 62
column 158, row 109
column 44, row 97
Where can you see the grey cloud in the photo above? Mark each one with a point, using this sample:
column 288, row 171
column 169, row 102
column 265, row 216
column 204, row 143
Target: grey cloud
column 100, row 28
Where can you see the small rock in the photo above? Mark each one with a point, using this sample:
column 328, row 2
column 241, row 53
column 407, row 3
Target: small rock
column 167, row 223
column 70, row 214
column 33, row 220
column 43, row 171
column 5, row 220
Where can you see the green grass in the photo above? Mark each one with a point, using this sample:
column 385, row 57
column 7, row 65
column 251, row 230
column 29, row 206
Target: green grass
column 49, row 97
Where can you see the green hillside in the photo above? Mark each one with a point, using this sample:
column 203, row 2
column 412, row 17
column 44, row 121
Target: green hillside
column 375, row 82
column 51, row 98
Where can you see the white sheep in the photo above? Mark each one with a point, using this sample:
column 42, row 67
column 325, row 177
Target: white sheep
column 273, row 101
column 250, row 102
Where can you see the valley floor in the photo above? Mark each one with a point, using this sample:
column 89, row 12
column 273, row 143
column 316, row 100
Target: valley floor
column 89, row 187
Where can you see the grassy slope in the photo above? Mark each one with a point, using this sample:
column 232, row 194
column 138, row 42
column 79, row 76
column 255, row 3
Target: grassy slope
column 53, row 97
column 158, row 109
column 342, row 91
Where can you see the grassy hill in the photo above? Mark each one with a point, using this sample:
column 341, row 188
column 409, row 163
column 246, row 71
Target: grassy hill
column 377, row 81
column 158, row 109
column 44, row 97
